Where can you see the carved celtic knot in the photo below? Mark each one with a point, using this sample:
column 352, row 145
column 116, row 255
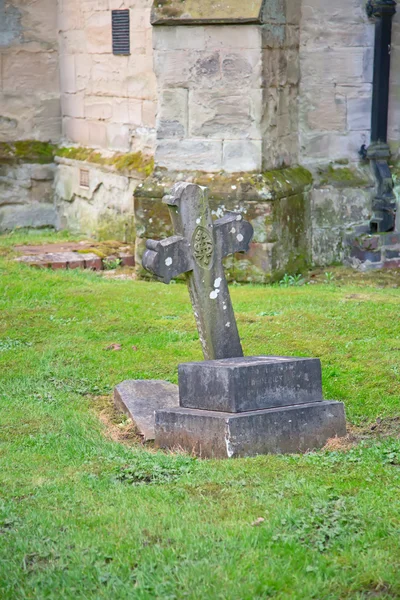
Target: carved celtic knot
column 203, row 247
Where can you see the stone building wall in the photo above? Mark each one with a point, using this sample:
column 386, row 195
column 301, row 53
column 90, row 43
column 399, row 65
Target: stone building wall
column 336, row 62
column 30, row 109
column 281, row 75
column 228, row 93
column 108, row 101
column 29, row 71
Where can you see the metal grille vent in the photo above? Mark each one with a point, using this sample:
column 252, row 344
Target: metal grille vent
column 120, row 32
column 84, row 178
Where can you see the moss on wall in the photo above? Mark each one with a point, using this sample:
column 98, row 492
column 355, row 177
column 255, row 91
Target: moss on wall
column 121, row 162
column 28, row 151
column 342, row 177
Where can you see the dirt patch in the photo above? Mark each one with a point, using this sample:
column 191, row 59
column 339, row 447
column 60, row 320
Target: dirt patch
column 382, row 428
column 117, row 426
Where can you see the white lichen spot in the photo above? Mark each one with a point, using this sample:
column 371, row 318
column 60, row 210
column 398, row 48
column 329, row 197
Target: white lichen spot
column 234, row 187
column 198, row 221
column 239, row 237
column 227, row 324
column 217, row 282
column 233, row 230
column 168, row 261
column 239, row 218
column 150, row 220
column 225, row 307
column 214, row 294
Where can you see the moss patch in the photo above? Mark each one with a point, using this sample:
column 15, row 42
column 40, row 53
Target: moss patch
column 30, row 151
column 342, row 177
column 135, row 161
column 237, row 187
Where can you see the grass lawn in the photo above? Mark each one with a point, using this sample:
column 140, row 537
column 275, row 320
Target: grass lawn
column 86, row 512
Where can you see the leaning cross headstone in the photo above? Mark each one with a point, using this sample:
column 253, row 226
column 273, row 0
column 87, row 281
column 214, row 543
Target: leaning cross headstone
column 197, row 249
column 230, row 405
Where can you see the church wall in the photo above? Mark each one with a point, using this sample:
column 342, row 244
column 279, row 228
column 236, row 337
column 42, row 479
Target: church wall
column 30, row 112
column 108, row 101
column 210, row 97
column 29, row 71
column 281, row 75
column 336, row 61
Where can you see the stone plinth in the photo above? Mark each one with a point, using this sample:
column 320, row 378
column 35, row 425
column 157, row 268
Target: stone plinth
column 248, row 406
column 253, row 383
column 287, row 430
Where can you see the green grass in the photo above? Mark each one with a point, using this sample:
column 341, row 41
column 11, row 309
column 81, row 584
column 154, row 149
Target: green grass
column 85, row 517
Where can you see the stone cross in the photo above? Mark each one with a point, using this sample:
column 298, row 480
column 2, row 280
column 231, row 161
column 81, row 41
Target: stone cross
column 197, row 249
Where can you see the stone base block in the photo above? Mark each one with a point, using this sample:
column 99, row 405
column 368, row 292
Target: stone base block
column 287, row 430
column 250, row 383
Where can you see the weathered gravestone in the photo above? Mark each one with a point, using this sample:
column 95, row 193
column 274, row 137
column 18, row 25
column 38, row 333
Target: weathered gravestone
column 230, row 405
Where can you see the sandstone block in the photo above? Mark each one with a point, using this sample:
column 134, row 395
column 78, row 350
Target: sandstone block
column 73, row 105
column 108, row 74
column 97, row 134
column 118, row 137
column 359, row 113
column 149, row 110
column 337, row 65
column 98, row 107
column 68, row 74
column 242, row 155
column 222, row 115
column 28, row 72
column 232, row 37
column 135, row 111
column 244, row 68
column 331, row 145
column 323, row 109
column 172, row 118
column 98, row 32
column 187, row 154
column 76, row 130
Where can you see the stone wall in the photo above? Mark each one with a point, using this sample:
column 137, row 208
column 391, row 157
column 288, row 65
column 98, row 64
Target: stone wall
column 281, row 75
column 210, row 97
column 26, row 196
column 102, row 207
column 336, row 60
column 108, row 101
column 228, row 93
column 276, row 203
column 29, row 71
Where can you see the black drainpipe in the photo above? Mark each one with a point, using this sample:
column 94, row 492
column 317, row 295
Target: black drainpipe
column 384, row 203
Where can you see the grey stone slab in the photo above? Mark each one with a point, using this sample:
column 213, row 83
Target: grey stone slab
column 139, row 399
column 252, row 383
column 286, row 430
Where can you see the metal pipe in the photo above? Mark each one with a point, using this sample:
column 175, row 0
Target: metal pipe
column 384, row 203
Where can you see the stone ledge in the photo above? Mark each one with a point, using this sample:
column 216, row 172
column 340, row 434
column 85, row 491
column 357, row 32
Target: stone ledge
column 260, row 187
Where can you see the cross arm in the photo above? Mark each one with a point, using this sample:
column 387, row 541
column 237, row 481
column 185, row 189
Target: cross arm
column 167, row 258
column 233, row 234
